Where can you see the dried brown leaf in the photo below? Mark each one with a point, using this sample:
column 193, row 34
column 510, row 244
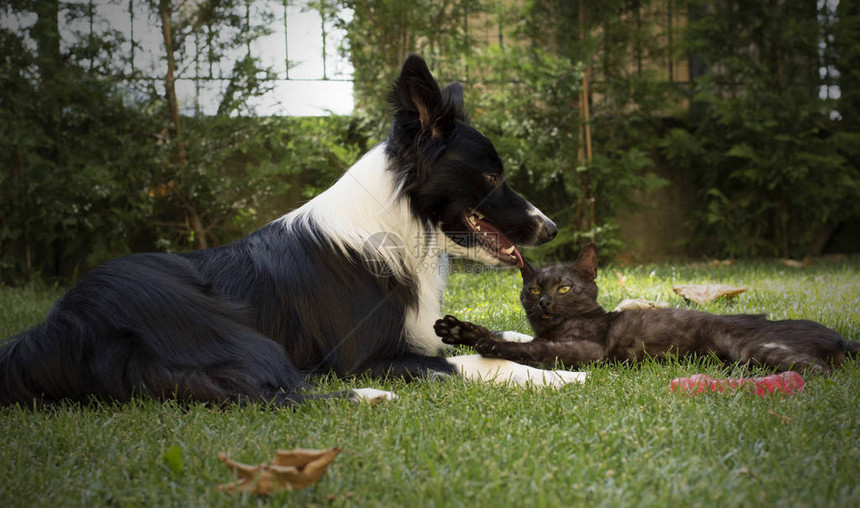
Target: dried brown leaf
column 797, row 264
column 704, row 293
column 714, row 263
column 640, row 303
column 290, row 469
column 783, row 418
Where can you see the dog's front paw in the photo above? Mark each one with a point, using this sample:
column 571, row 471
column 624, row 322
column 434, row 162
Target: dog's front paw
column 454, row 331
column 371, row 395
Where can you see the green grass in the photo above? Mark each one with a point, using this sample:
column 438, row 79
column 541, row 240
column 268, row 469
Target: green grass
column 620, row 439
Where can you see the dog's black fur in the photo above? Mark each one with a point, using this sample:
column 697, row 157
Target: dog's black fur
column 249, row 320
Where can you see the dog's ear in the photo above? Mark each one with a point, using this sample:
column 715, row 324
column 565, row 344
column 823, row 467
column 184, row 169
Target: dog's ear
column 452, row 97
column 585, row 265
column 527, row 270
column 417, row 95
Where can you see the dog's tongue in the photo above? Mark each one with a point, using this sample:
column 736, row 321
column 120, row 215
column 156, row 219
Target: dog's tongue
column 503, row 243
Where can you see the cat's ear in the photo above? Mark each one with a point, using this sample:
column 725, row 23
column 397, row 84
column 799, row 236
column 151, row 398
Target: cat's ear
column 527, row 270
column 585, row 265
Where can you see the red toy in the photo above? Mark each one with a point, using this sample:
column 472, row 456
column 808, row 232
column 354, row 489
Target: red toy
column 786, row 382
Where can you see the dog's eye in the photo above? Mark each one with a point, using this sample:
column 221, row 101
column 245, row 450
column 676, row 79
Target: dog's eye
column 534, row 291
column 491, row 178
column 563, row 289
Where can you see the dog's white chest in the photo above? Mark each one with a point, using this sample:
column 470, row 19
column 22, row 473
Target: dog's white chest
column 431, row 279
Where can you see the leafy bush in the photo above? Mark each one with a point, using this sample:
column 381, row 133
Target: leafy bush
column 94, row 166
column 242, row 172
column 76, row 161
column 771, row 163
column 115, row 197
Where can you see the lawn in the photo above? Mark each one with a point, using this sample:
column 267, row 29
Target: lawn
column 620, row 439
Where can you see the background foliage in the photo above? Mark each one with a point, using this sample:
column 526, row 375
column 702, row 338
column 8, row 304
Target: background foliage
column 96, row 163
column 771, row 160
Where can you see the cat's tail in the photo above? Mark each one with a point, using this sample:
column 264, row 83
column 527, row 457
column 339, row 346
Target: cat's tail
column 852, row 348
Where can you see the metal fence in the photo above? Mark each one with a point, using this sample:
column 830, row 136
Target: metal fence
column 305, row 49
column 300, row 46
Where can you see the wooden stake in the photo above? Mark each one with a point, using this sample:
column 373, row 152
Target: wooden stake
column 585, row 93
column 587, row 208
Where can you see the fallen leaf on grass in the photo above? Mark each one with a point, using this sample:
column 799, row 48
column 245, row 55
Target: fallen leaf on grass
column 640, row 303
column 621, row 280
column 797, row 264
column 714, row 263
column 704, row 293
column 784, row 419
column 172, row 458
column 746, row 471
column 290, row 469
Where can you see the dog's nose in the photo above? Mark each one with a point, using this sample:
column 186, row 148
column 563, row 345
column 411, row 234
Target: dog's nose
column 549, row 230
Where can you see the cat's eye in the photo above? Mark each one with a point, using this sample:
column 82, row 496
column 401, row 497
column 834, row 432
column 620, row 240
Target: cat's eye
column 564, row 289
column 491, row 178
column 534, row 291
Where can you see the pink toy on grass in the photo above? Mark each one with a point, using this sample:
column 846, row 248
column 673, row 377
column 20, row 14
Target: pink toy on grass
column 786, row 382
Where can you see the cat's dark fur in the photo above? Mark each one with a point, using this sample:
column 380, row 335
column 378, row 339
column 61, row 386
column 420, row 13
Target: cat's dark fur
column 570, row 327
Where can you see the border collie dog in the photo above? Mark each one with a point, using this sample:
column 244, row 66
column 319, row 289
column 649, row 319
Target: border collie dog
column 349, row 283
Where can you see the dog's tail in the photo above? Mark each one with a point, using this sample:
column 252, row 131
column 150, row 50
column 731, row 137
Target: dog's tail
column 37, row 361
column 50, row 362
column 12, row 385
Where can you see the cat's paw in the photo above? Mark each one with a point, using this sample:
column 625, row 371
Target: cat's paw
column 488, row 348
column 454, row 331
column 450, row 330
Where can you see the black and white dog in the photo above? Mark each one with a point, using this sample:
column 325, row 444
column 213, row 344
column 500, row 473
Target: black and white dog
column 351, row 282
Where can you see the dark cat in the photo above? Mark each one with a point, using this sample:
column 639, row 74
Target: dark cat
column 572, row 328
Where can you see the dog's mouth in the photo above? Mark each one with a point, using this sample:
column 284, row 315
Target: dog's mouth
column 491, row 240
